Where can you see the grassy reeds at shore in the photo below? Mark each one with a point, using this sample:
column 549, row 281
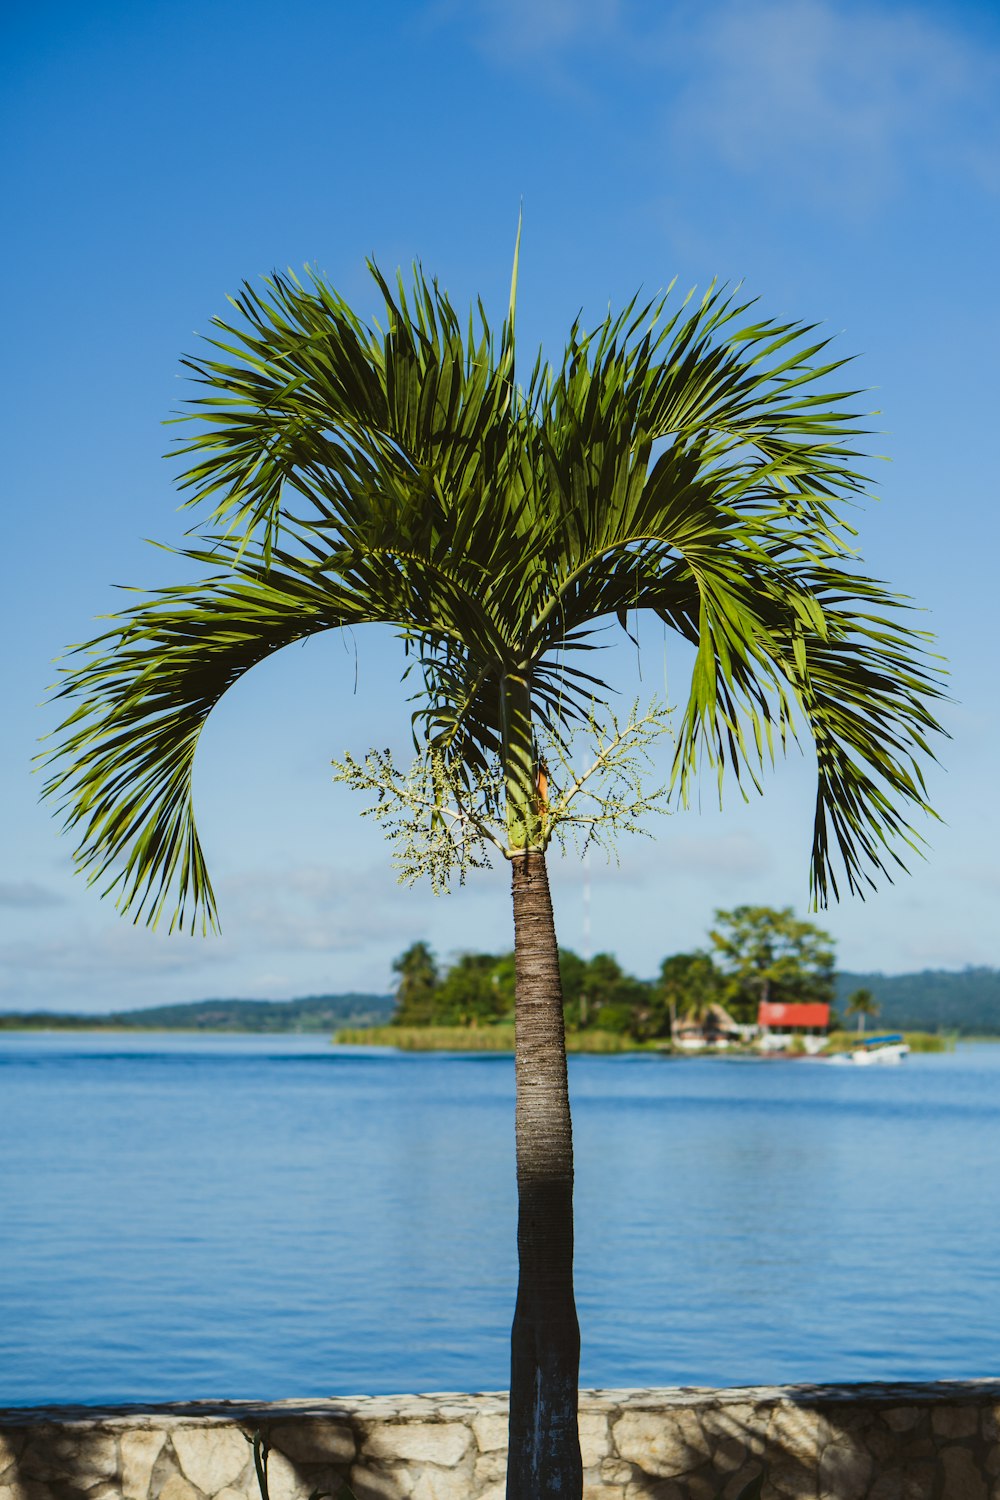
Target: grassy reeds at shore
column 473, row 1039
column 500, row 1038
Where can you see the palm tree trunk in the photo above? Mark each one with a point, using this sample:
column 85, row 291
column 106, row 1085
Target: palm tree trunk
column 544, row 1456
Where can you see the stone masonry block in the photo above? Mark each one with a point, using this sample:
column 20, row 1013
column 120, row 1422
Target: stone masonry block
column 793, row 1432
column 139, row 1452
column 491, row 1431
column 642, row 1490
column 728, row 1454
column 177, row 1488
column 211, row 1457
column 792, row 1480
column 727, row 1424
column 954, row 1421
column 918, row 1481
column 595, row 1439
column 888, row 1486
column 86, row 1454
column 440, row 1484
column 844, row 1472
column 902, row 1418
column 882, row 1445
column 663, row 1444
column 962, row 1478
column 739, row 1482
column 376, row 1484
column 314, row 1442
column 696, row 1487
column 443, row 1443
column 10, row 1445
column 284, row 1482
column 490, row 1468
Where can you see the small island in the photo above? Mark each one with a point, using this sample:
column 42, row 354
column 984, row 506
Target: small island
column 759, row 966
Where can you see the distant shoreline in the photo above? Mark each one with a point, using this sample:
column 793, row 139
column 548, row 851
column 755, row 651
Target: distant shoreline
column 501, row 1039
column 471, row 1039
column 311, row 1014
column 937, row 1002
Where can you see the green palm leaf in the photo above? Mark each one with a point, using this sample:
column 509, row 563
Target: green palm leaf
column 689, row 461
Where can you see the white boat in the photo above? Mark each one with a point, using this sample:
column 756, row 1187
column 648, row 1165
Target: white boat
column 891, row 1048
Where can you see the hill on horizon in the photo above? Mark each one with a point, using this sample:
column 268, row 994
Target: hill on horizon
column 966, row 1001
column 310, row 1013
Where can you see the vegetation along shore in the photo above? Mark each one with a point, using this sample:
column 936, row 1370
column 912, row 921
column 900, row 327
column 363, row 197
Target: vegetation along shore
column 467, row 1005
column 752, row 955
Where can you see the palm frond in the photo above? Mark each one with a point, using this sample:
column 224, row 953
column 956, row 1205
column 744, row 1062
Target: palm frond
column 689, row 458
column 122, row 766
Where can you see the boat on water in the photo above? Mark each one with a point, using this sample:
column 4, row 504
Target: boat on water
column 890, row 1048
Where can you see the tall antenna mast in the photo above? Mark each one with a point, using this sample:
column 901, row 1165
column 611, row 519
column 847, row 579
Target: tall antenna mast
column 586, row 933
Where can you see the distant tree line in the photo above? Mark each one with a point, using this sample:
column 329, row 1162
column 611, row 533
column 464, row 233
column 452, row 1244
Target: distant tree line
column 309, row 1013
column 753, row 953
column 966, row 1001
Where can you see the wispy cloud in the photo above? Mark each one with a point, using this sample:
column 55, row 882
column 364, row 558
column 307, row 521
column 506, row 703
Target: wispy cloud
column 120, row 951
column 543, row 37
column 536, row 28
column 831, row 101
column 317, row 908
column 26, row 895
column 833, row 104
column 279, row 927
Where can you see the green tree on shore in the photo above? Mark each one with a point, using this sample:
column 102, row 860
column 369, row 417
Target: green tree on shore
column 688, row 984
column 862, row 1003
column 684, row 462
column 769, row 954
column 471, row 993
column 417, row 988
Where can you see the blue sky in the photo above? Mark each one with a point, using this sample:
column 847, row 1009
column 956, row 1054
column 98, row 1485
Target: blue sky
column 842, row 160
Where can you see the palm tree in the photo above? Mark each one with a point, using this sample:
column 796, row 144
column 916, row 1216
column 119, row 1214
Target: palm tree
column 862, row 1003
column 679, row 460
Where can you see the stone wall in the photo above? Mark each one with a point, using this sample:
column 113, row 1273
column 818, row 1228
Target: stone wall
column 865, row 1442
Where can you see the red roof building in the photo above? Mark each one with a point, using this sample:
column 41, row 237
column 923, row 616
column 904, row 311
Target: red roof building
column 811, row 1013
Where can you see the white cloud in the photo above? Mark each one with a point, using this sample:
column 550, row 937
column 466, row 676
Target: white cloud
column 295, row 929
column 831, row 104
column 118, row 951
column 545, row 39
column 827, row 100
column 312, row 907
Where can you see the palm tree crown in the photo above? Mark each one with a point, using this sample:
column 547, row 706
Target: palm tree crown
column 679, row 461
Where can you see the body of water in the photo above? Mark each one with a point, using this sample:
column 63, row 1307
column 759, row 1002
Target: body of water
column 264, row 1217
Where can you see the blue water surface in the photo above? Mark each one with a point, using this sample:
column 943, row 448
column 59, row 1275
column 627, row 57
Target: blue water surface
column 264, row 1217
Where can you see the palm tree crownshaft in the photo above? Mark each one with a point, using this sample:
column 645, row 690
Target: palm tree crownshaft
column 524, row 821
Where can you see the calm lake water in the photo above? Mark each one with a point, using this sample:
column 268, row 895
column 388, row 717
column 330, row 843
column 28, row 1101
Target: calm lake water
column 262, row 1217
